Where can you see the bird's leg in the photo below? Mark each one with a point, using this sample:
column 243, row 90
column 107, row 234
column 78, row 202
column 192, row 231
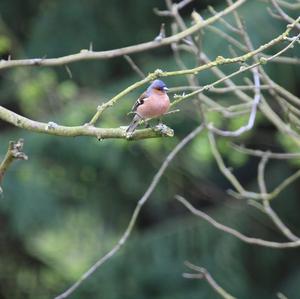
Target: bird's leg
column 144, row 120
column 139, row 115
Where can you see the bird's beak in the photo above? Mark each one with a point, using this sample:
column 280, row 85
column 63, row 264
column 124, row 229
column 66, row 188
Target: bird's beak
column 166, row 88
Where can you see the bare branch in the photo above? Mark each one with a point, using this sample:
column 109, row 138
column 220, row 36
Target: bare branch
column 220, row 90
column 9, row 116
column 86, row 54
column 284, row 15
column 289, row 180
column 227, row 37
column 223, row 21
column 183, row 3
column 134, row 66
column 235, row 233
column 259, row 153
column 256, row 77
column 242, row 193
column 52, row 128
column 202, row 273
column 266, row 204
column 14, row 152
column 261, row 173
column 283, row 59
column 221, row 60
column 288, row 5
column 252, row 116
column 264, row 107
column 226, row 171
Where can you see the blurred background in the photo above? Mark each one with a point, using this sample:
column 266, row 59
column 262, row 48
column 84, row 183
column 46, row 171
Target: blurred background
column 71, row 201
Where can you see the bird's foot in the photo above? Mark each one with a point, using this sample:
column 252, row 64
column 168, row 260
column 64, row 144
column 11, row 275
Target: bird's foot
column 164, row 130
column 128, row 135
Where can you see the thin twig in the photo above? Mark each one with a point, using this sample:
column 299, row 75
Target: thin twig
column 220, row 90
column 235, row 233
column 252, row 116
column 219, row 61
column 134, row 66
column 266, row 204
column 284, row 15
column 259, row 153
column 283, row 59
column 20, row 121
column 223, row 60
column 233, row 41
column 264, row 106
column 223, row 21
column 226, row 171
column 289, row 180
column 288, row 5
column 242, row 193
column 202, row 273
column 183, row 3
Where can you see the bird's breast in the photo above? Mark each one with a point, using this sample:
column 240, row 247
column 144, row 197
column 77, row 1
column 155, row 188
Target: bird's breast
column 154, row 106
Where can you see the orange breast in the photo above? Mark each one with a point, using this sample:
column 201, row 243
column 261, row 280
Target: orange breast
column 154, row 106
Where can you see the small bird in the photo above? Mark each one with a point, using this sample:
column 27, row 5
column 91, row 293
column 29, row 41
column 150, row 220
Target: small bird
column 154, row 102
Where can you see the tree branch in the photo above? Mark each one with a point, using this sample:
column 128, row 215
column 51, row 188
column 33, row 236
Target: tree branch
column 202, row 273
column 289, row 180
column 233, row 232
column 90, row 55
column 52, row 128
column 221, row 60
column 259, row 153
column 251, row 120
column 283, row 15
column 11, row 117
column 134, row 66
column 266, row 204
column 14, row 152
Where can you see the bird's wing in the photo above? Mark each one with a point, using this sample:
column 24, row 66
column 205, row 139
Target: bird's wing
column 139, row 101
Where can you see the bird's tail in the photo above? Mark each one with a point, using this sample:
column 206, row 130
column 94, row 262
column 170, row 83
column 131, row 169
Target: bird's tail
column 135, row 122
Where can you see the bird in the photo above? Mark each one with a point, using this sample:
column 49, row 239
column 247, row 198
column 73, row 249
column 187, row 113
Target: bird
column 154, row 102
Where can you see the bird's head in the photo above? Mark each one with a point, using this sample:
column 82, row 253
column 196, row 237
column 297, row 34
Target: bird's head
column 158, row 85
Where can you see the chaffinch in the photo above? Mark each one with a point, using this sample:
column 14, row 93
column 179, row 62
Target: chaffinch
column 154, row 102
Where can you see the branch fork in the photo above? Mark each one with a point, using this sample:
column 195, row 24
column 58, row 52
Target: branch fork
column 14, row 152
